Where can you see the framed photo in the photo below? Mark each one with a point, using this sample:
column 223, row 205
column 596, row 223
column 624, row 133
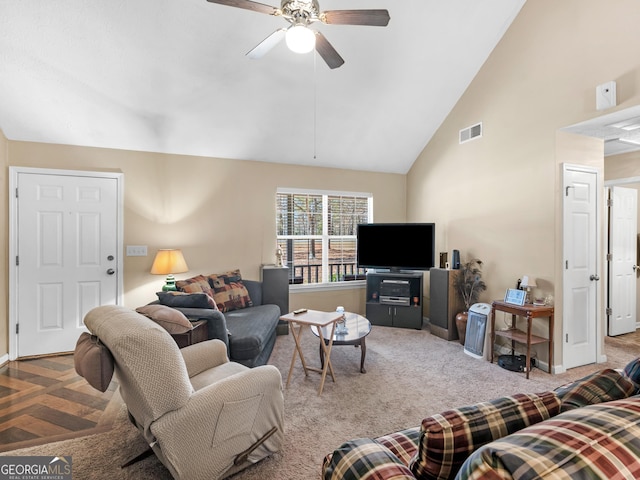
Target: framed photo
column 515, row 296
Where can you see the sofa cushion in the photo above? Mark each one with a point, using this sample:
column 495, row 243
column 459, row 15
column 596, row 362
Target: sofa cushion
column 93, row 361
column 364, row 458
column 447, row 439
column 186, row 300
column 632, row 372
column 197, row 284
column 172, row 320
column 229, row 292
column 595, row 442
column 598, row 387
column 403, row 444
column 250, row 329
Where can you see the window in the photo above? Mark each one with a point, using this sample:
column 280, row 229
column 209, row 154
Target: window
column 317, row 234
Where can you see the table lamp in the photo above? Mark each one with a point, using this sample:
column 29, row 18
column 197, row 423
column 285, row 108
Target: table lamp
column 168, row 262
column 527, row 283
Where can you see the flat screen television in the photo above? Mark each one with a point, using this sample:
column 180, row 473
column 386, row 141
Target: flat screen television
column 396, row 246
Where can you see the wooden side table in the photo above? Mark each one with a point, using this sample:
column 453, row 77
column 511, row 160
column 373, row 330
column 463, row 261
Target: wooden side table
column 312, row 318
column 530, row 312
column 198, row 334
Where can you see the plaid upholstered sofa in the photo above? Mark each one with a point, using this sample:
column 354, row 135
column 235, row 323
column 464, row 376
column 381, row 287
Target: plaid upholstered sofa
column 589, row 429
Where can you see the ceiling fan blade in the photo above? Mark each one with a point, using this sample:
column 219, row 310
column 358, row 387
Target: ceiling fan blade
column 267, row 44
column 249, row 5
column 327, row 52
column 374, row 18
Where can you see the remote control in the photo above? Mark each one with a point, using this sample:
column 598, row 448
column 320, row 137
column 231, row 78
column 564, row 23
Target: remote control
column 300, row 310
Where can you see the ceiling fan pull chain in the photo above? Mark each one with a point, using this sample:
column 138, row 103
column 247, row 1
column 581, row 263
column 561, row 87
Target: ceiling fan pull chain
column 315, row 104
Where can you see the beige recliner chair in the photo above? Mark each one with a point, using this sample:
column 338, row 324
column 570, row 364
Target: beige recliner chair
column 203, row 416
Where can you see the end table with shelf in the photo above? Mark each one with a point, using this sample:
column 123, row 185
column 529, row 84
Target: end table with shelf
column 529, row 312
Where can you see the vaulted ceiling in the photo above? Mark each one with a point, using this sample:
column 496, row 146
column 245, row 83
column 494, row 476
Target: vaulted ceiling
column 172, row 76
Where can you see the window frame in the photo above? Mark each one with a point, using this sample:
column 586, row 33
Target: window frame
column 325, row 237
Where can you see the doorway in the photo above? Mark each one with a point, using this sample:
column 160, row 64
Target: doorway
column 66, row 255
column 623, row 286
column 614, row 129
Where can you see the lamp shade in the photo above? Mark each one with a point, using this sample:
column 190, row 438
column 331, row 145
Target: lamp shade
column 528, row 281
column 169, row 261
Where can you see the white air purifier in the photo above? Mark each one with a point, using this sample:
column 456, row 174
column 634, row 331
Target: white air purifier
column 476, row 336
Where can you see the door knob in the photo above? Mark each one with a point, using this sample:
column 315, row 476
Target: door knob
column 636, row 267
column 594, row 277
column 111, row 271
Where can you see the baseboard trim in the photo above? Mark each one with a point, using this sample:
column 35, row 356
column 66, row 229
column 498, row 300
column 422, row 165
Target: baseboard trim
column 4, row 359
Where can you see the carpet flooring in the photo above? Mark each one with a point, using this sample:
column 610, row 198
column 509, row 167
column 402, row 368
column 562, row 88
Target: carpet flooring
column 410, row 374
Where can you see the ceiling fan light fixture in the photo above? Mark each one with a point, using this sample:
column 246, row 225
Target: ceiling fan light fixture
column 300, row 39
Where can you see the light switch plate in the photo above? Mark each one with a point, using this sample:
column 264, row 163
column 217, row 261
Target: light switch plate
column 136, row 250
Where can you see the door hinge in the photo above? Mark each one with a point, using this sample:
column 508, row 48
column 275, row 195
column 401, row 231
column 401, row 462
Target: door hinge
column 609, row 257
column 566, row 264
column 17, row 260
column 17, row 328
column 608, row 311
column 609, row 202
column 16, row 192
column 566, row 338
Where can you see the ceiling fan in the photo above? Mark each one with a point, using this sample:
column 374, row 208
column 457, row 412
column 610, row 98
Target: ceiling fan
column 301, row 14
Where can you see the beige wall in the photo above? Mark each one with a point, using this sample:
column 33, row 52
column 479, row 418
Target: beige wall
column 220, row 212
column 624, row 165
column 498, row 197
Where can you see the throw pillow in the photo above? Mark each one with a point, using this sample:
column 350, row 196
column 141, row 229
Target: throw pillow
column 447, row 439
column 187, row 300
column 363, row 458
column 632, row 372
column 602, row 386
column 229, row 292
column 172, row 320
column 93, row 361
column 197, row 284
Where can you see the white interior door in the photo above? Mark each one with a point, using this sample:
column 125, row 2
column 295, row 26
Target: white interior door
column 580, row 280
column 623, row 220
column 67, row 256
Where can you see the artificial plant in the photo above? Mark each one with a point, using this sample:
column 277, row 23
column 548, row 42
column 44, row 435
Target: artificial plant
column 469, row 282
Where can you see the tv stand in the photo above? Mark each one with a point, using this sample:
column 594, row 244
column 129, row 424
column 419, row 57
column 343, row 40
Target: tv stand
column 394, row 299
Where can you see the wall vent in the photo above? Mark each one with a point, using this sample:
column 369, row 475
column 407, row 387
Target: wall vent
column 469, row 133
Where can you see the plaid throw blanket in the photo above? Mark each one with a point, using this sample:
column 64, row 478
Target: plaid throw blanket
column 595, row 442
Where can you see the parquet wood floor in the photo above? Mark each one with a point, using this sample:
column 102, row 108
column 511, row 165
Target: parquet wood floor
column 44, row 400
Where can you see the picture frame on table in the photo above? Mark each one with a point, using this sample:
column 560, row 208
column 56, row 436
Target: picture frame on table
column 515, row 296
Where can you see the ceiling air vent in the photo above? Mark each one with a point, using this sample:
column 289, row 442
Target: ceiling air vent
column 469, row 133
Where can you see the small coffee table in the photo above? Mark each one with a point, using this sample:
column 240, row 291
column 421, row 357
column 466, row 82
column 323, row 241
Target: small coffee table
column 358, row 328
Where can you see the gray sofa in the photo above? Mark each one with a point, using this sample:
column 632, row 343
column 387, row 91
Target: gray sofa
column 249, row 333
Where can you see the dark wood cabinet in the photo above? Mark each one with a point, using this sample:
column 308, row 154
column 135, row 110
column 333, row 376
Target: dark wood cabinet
column 395, row 299
column 198, row 334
